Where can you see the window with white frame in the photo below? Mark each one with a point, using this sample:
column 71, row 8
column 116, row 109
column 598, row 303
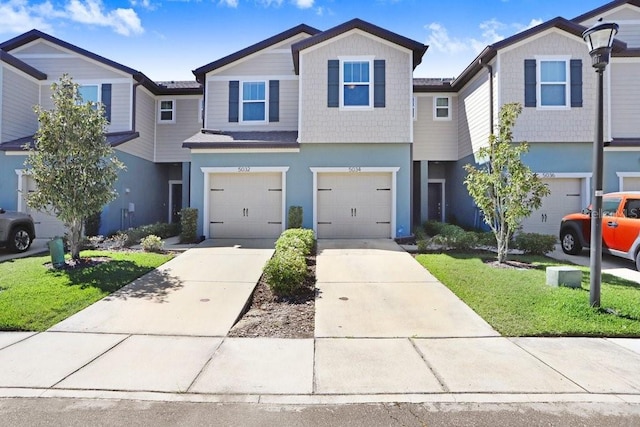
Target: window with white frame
column 254, row 101
column 441, row 108
column 553, row 83
column 167, row 111
column 356, row 83
column 89, row 93
column 414, row 108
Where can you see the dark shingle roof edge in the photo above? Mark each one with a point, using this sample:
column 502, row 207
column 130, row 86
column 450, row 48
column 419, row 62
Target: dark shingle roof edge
column 302, row 28
column 597, row 11
column 208, row 138
column 418, row 48
column 114, row 139
column 490, row 51
column 22, row 66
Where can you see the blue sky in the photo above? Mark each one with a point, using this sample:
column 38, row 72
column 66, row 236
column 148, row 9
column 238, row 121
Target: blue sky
column 167, row 39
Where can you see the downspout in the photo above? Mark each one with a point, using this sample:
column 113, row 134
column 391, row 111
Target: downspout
column 133, row 106
column 490, row 69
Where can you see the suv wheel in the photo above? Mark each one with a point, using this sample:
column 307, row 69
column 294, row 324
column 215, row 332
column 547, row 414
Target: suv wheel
column 19, row 240
column 569, row 242
column 638, row 261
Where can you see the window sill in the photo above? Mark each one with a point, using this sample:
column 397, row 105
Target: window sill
column 552, row 108
column 349, row 108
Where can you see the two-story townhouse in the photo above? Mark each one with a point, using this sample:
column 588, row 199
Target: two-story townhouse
column 548, row 70
column 147, row 123
column 321, row 120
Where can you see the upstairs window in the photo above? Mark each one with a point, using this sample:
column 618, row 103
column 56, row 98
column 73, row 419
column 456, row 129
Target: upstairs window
column 441, row 108
column 89, row 93
column 254, row 102
column 553, row 88
column 167, row 111
column 356, row 84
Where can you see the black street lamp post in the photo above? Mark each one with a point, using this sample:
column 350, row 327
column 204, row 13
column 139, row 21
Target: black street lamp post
column 599, row 39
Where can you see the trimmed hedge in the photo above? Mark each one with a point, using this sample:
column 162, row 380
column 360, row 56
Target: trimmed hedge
column 152, row 243
column 189, row 225
column 286, row 271
column 160, row 229
column 534, row 243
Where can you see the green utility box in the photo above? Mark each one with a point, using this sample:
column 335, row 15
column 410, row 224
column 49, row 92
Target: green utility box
column 56, row 248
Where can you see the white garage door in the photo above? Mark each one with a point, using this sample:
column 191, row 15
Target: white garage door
column 565, row 198
column 630, row 183
column 245, row 205
column 47, row 225
column 354, row 205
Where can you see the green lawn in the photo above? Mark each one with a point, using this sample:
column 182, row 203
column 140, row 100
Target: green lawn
column 519, row 303
column 34, row 297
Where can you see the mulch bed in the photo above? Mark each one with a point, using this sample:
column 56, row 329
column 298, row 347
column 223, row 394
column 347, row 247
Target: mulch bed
column 74, row 264
column 271, row 317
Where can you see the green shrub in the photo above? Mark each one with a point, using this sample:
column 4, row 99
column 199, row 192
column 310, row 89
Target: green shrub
column 300, row 239
column 423, row 246
column 92, row 224
column 189, row 225
column 534, row 243
column 487, row 238
column 160, row 229
column 295, row 217
column 285, row 272
column 433, row 228
column 152, row 243
column 419, row 234
column 455, row 238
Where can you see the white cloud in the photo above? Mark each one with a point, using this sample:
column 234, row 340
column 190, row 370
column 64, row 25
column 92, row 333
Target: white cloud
column 268, row 3
column 18, row 16
column 123, row 21
column 303, row 4
column 491, row 31
column 229, row 3
column 144, row 4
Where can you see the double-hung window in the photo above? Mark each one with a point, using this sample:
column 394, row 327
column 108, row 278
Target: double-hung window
column 167, row 111
column 254, row 101
column 553, row 83
column 441, row 108
column 356, row 90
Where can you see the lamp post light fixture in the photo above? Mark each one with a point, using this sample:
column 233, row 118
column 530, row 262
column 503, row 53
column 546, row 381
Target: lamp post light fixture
column 599, row 39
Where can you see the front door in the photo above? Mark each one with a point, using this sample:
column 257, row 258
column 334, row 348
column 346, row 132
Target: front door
column 176, row 202
column 435, row 201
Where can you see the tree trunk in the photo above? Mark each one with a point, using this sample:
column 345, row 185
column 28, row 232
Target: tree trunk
column 75, row 228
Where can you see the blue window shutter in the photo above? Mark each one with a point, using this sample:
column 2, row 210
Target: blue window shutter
column 106, row 100
column 274, row 100
column 333, row 83
column 234, row 100
column 576, row 82
column 379, row 83
column 530, row 83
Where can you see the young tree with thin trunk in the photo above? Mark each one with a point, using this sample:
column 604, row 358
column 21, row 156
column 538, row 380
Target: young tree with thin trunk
column 71, row 163
column 504, row 188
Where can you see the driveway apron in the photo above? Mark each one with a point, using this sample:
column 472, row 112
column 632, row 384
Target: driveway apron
column 374, row 289
column 199, row 293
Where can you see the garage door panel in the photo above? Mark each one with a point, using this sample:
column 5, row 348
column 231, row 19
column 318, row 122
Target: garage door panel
column 354, row 205
column 245, row 205
column 630, row 183
column 46, row 225
column 565, row 198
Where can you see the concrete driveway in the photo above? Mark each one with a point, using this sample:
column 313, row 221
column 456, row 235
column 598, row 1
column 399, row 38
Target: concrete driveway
column 374, row 289
column 199, row 293
column 37, row 247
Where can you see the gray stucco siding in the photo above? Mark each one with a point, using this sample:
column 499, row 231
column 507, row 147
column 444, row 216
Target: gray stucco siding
column 299, row 178
column 143, row 146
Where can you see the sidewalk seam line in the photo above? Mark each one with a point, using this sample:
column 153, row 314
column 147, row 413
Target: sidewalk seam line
column 207, row 363
column 437, row 376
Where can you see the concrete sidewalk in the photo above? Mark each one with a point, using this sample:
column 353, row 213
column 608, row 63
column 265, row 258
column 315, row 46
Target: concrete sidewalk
column 413, row 341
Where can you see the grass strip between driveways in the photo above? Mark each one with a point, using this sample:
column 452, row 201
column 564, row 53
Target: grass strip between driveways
column 519, row 303
column 34, row 297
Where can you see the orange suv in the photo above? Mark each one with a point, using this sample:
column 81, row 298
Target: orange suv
column 620, row 227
